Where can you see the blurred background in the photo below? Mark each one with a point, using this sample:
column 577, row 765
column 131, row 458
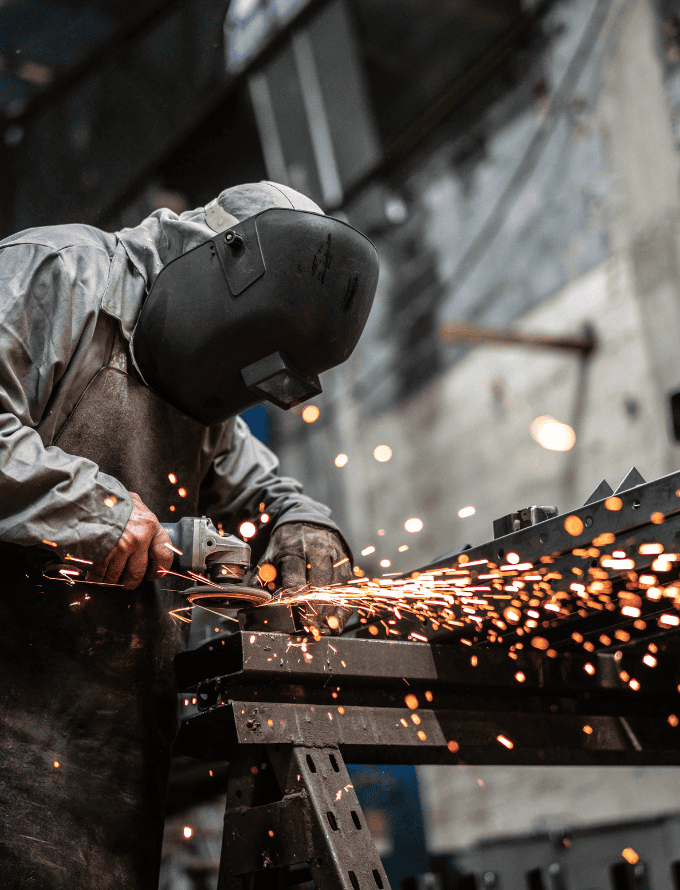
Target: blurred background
column 517, row 165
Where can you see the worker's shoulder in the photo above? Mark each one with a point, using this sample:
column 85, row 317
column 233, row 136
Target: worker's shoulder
column 72, row 236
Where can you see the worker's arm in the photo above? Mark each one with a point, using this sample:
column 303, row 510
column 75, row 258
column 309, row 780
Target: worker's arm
column 304, row 544
column 243, row 473
column 48, row 309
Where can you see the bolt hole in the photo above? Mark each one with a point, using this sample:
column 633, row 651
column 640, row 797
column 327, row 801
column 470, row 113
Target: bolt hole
column 501, row 554
column 334, row 762
column 378, row 880
column 356, row 821
column 353, row 879
column 543, row 539
column 319, row 861
column 210, row 543
column 238, row 793
column 332, row 821
column 593, row 563
column 635, row 505
column 310, row 763
column 588, row 521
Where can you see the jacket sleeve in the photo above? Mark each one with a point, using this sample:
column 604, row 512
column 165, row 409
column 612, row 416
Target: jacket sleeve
column 49, row 498
column 244, row 474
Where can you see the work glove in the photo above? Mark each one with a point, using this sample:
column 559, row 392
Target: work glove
column 306, row 555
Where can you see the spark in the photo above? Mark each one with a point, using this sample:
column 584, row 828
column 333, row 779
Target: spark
column 368, row 550
column 504, row 740
column 464, row 512
column 174, row 549
column 573, row 526
column 247, row 530
column 650, row 548
column 267, row 572
column 341, row 460
column 187, row 831
column 87, row 562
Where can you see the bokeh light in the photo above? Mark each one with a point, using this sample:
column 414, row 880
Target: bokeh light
column 413, row 525
column 341, row 460
column 382, row 453
column 553, row 435
column 310, row 413
column 247, row 530
column 464, row 512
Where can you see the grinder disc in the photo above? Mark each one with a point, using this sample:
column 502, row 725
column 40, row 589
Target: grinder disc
column 227, row 596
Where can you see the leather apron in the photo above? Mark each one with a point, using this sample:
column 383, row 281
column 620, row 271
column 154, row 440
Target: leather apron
column 88, row 708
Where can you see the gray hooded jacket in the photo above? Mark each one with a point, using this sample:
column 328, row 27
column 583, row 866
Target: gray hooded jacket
column 62, row 291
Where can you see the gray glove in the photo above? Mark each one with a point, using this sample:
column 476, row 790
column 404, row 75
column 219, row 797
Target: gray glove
column 305, row 554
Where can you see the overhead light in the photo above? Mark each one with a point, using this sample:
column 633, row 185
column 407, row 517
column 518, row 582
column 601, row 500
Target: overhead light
column 243, row 9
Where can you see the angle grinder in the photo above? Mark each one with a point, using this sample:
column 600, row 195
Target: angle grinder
column 220, row 560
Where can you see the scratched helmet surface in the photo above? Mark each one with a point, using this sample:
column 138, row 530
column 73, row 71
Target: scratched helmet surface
column 256, row 312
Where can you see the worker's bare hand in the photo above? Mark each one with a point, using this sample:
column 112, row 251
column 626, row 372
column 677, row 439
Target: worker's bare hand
column 141, row 551
column 304, row 556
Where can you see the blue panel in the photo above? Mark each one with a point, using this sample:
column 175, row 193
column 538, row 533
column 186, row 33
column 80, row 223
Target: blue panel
column 391, row 803
column 258, row 421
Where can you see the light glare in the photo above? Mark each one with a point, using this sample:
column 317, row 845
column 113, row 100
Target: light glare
column 382, row 453
column 553, row 435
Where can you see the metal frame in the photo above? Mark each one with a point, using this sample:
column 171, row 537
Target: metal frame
column 285, row 709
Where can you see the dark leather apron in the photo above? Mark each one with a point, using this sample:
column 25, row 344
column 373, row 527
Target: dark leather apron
column 88, row 708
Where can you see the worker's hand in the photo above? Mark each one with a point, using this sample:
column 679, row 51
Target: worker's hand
column 306, row 555
column 140, row 551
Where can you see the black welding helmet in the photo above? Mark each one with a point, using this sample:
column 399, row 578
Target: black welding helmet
column 257, row 312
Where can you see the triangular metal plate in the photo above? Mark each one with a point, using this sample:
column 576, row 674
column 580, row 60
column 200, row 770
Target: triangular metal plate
column 602, row 491
column 632, row 479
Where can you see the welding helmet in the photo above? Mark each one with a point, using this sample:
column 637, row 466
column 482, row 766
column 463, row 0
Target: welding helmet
column 256, row 312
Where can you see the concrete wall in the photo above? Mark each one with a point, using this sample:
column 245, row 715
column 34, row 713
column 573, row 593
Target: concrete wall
column 569, row 214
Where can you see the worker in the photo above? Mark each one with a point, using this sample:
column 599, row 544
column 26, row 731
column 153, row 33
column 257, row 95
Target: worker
column 123, row 360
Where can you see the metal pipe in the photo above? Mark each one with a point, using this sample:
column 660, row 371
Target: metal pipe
column 459, row 333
